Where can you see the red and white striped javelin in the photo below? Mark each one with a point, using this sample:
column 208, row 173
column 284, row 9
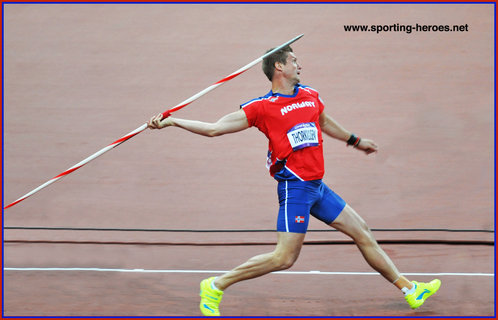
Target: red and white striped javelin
column 144, row 126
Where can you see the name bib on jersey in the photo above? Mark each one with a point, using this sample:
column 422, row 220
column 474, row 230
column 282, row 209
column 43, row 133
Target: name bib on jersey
column 303, row 135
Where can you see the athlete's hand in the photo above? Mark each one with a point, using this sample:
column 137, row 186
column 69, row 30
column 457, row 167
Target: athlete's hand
column 367, row 146
column 159, row 122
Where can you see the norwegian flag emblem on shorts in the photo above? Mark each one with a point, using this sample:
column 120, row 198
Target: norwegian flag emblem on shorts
column 299, row 219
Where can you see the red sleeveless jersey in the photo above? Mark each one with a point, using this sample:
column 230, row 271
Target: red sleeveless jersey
column 291, row 124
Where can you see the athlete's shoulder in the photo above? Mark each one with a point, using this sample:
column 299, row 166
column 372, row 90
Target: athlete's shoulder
column 256, row 100
column 307, row 89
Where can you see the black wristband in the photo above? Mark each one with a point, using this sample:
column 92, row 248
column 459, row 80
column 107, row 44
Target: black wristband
column 352, row 140
column 357, row 143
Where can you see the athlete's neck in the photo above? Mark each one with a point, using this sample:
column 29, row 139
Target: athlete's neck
column 283, row 88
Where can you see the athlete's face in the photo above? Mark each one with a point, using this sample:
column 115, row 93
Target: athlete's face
column 292, row 69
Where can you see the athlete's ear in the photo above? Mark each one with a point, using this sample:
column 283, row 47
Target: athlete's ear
column 279, row 66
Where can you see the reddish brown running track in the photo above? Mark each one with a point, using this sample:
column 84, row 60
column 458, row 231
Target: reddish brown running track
column 78, row 76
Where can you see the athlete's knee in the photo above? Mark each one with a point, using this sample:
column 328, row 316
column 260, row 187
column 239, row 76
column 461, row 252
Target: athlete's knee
column 282, row 261
column 350, row 223
column 363, row 235
column 366, row 238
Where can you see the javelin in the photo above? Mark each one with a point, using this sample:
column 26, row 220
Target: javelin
column 144, row 126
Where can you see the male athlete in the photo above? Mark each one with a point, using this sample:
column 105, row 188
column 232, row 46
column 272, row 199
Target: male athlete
column 292, row 117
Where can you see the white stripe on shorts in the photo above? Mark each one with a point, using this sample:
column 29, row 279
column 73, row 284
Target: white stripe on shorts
column 286, row 196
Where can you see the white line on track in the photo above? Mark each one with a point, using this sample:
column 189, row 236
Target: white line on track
column 313, row 272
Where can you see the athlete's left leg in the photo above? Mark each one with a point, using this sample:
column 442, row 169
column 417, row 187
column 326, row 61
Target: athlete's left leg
column 351, row 224
column 334, row 211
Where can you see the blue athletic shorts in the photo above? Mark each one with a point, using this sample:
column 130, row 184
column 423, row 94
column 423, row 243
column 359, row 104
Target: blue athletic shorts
column 300, row 198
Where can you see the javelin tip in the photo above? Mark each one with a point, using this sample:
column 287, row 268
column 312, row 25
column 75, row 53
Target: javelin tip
column 297, row 38
column 291, row 41
column 280, row 47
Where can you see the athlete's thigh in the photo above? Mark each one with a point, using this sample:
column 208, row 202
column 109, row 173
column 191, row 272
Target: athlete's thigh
column 350, row 223
column 293, row 217
column 329, row 206
column 289, row 244
column 295, row 204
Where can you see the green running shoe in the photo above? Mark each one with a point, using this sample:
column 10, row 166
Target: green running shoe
column 210, row 298
column 422, row 292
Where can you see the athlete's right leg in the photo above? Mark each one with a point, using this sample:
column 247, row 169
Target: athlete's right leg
column 292, row 223
column 283, row 257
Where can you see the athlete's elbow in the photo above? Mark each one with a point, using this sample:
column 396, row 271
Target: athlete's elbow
column 214, row 132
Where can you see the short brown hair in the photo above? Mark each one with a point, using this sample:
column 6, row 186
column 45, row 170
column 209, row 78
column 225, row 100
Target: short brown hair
column 278, row 56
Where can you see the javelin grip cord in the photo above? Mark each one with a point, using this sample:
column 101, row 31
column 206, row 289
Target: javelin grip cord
column 144, row 126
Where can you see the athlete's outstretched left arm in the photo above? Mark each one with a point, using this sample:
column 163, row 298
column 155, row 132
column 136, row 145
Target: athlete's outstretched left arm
column 232, row 122
column 333, row 129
